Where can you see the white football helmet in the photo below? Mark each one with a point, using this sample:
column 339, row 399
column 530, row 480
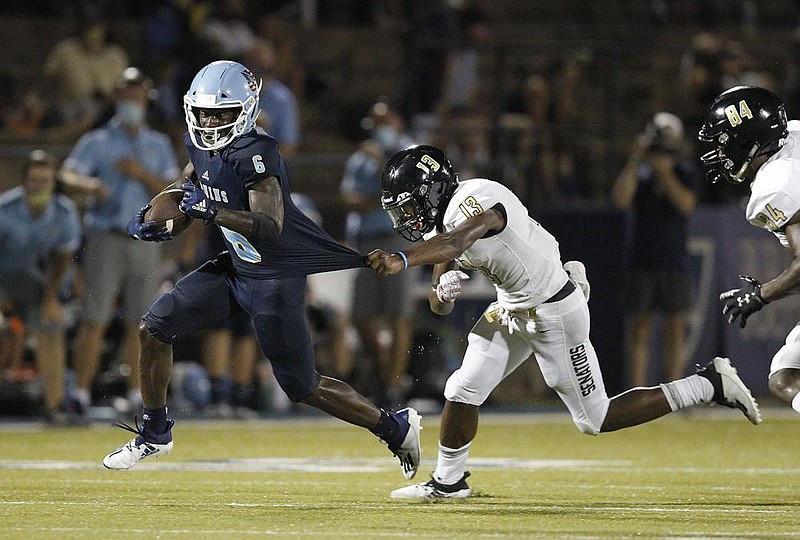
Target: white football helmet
column 222, row 85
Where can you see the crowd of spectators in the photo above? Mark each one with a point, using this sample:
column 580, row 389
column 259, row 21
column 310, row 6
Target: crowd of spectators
column 516, row 112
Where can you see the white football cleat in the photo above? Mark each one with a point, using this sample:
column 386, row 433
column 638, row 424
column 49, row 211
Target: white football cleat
column 729, row 390
column 409, row 452
column 434, row 490
column 145, row 444
column 577, row 271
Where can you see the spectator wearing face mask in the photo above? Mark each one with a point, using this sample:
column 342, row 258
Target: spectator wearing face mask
column 368, row 226
column 120, row 166
column 39, row 234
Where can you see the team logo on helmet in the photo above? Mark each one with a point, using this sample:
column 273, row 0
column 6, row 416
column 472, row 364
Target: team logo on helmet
column 251, row 80
column 743, row 123
column 416, row 185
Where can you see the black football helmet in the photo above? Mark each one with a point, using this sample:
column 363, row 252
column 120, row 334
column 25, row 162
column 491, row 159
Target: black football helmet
column 743, row 122
column 417, row 183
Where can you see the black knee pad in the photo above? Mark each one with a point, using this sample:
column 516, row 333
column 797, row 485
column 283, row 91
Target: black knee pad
column 296, row 389
column 151, row 324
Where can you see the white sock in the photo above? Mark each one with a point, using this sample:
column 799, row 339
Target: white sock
column 796, row 402
column 686, row 392
column 135, row 399
column 450, row 464
column 82, row 396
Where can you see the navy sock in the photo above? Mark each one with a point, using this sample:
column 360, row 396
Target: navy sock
column 155, row 420
column 242, row 395
column 220, row 390
column 389, row 430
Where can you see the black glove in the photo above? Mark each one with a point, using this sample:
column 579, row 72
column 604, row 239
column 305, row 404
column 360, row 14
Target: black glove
column 149, row 231
column 742, row 302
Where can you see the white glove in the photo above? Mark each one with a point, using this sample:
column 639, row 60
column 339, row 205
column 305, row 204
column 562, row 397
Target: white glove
column 449, row 287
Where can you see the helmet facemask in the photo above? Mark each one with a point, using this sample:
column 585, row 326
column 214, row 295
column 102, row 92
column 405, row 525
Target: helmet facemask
column 412, row 214
column 719, row 165
column 214, row 138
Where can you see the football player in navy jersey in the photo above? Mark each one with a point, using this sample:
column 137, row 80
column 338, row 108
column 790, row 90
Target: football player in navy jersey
column 237, row 180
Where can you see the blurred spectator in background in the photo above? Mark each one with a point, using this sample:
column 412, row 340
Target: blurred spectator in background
column 172, row 29
column 81, row 71
column 121, row 164
column 384, row 326
column 280, row 116
column 658, row 186
column 526, row 123
column 792, row 82
column 281, row 30
column 464, row 114
column 538, row 123
column 227, row 31
column 39, row 234
column 461, row 80
column 35, row 118
column 173, row 50
column 699, row 79
column 425, row 29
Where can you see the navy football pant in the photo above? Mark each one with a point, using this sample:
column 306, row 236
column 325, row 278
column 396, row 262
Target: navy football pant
column 212, row 293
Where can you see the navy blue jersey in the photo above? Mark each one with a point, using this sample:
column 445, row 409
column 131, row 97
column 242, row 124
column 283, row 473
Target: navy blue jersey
column 303, row 247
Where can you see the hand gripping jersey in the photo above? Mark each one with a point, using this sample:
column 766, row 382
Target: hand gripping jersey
column 775, row 192
column 522, row 261
column 303, row 247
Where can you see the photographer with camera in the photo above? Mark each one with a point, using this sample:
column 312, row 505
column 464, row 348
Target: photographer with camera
column 657, row 187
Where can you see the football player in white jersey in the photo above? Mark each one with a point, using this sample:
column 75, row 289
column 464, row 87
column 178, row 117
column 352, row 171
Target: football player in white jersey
column 754, row 142
column 541, row 308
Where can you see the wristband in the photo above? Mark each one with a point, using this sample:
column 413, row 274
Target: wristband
column 402, row 256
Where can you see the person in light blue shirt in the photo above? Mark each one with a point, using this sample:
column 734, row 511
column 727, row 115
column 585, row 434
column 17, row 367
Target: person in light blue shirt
column 280, row 115
column 40, row 232
column 123, row 164
column 368, row 225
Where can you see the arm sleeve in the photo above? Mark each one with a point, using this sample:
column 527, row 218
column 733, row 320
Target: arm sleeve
column 70, row 233
column 468, row 204
column 775, row 196
column 81, row 159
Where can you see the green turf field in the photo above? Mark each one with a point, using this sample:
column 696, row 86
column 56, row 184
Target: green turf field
column 709, row 474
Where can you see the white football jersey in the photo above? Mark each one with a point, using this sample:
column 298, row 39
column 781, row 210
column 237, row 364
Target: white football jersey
column 775, row 192
column 523, row 261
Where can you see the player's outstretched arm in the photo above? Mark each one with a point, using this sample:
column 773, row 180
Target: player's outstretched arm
column 440, row 249
column 741, row 303
column 448, row 246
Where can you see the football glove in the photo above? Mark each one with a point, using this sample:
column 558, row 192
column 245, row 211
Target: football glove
column 742, row 302
column 195, row 202
column 449, row 287
column 149, row 231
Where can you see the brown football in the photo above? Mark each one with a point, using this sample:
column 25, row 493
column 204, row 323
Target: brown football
column 164, row 211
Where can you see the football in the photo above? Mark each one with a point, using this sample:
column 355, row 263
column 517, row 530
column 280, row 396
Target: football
column 164, row 211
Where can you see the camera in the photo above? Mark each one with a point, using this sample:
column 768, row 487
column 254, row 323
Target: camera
column 664, row 134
